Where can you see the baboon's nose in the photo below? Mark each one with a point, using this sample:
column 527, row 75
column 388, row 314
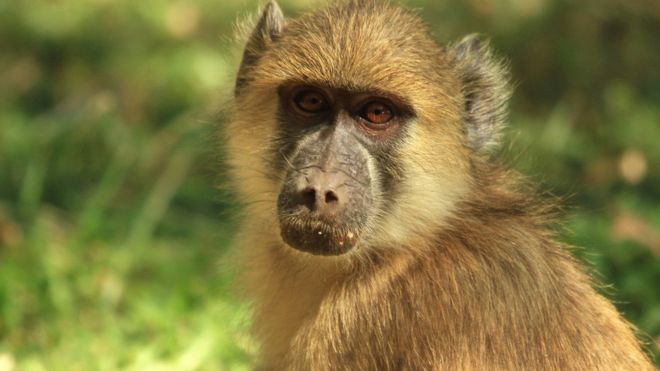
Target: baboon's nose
column 324, row 191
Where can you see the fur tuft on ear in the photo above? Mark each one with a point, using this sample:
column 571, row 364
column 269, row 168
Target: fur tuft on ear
column 267, row 29
column 485, row 86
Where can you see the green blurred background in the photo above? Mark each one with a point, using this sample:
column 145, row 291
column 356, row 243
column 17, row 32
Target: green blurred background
column 111, row 224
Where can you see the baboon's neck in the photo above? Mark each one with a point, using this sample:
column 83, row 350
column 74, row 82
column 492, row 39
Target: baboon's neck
column 489, row 284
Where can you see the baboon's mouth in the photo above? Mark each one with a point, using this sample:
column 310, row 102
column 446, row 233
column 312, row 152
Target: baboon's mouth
column 317, row 236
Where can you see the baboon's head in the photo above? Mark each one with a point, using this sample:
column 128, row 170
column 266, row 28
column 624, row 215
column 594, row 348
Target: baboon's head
column 353, row 128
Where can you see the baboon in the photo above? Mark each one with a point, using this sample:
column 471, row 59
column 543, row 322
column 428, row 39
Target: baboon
column 380, row 233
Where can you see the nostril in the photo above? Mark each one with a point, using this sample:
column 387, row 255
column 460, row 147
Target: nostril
column 309, row 197
column 331, row 197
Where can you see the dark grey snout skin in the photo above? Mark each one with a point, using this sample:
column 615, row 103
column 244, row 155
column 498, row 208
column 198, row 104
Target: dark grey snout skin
column 324, row 202
column 323, row 191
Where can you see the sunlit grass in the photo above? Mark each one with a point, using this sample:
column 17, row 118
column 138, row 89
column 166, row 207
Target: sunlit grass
column 108, row 285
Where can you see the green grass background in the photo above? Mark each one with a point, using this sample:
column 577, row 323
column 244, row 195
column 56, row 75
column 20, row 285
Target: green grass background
column 111, row 225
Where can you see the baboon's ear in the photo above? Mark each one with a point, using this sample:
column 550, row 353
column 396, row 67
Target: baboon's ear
column 485, row 86
column 267, row 29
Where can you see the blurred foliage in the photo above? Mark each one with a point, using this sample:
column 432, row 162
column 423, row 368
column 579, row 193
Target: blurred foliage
column 111, row 228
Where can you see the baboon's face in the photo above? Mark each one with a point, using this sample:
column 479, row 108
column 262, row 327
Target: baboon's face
column 349, row 129
column 332, row 140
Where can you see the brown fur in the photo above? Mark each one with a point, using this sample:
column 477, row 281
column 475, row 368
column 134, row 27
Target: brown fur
column 463, row 271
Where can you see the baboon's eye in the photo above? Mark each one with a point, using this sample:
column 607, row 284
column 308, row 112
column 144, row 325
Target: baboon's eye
column 377, row 113
column 310, row 101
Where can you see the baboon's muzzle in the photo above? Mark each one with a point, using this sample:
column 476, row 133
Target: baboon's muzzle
column 324, row 202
